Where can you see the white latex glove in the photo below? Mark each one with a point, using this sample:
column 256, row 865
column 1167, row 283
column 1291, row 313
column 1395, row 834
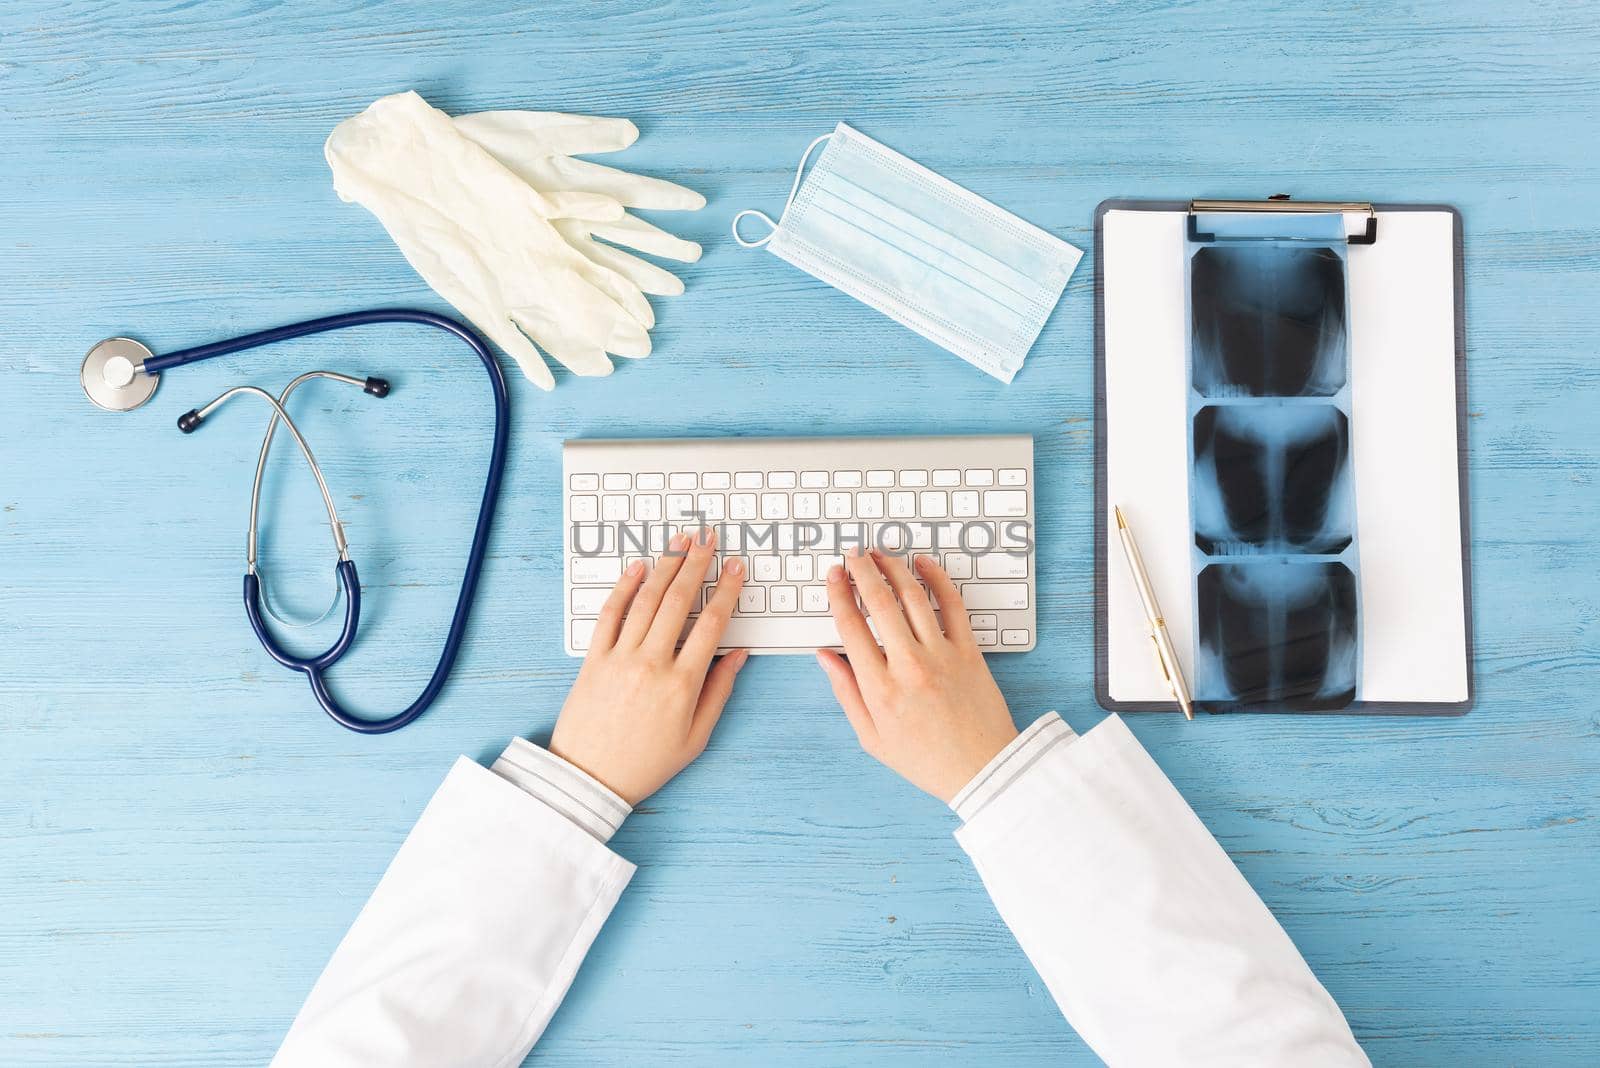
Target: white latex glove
column 538, row 146
column 485, row 240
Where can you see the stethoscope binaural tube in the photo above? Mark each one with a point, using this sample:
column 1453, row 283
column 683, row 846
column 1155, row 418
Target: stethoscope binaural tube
column 345, row 571
column 144, row 373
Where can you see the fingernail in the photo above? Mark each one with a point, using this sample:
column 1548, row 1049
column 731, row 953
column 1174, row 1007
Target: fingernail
column 835, row 573
column 678, row 543
column 743, row 655
column 636, row 568
column 734, row 567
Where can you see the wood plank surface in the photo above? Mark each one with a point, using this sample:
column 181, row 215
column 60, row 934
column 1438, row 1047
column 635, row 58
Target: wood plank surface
column 183, row 838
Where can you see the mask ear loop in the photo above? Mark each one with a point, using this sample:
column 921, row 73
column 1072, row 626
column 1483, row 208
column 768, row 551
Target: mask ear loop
column 799, row 173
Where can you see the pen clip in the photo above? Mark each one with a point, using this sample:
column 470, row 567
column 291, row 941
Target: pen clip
column 1166, row 674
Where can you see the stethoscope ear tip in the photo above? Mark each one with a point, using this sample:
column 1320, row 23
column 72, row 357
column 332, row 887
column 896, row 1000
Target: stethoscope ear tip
column 113, row 375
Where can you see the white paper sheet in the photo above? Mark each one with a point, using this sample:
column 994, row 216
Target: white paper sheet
column 1408, row 518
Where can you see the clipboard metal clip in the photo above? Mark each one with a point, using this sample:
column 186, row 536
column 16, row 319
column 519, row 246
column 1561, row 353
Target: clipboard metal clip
column 1281, row 204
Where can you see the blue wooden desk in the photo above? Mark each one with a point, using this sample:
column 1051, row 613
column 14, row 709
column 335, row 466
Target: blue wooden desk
column 183, row 838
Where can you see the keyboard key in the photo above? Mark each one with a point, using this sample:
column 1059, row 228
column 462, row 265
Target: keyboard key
column 847, row 479
column 582, row 633
column 681, row 480
column 680, row 506
column 914, row 479
column 747, row 480
column 869, row 504
column 785, row 599
column 853, row 535
column 947, row 478
column 767, row 568
column 584, row 509
column 837, row 505
column 814, row 479
column 980, row 476
column 1002, row 566
column 751, row 599
column 1004, row 504
column 814, row 599
column 593, row 540
column 617, row 482
column 976, row 537
column 1013, row 476
column 781, row 632
column 1014, row 637
column 827, row 562
column 650, row 481
column 780, row 480
column 797, row 569
column 714, row 480
column 958, row 565
column 902, row 504
column 964, row 503
column 614, row 507
column 985, row 637
column 586, row 601
column 811, row 537
column 774, row 506
column 984, row 621
column 880, row 478
column 808, row 506
column 935, row 504
column 1012, row 596
column 647, row 507
column 891, row 536
column 742, row 506
column 595, row 570
column 713, row 506
column 584, row 482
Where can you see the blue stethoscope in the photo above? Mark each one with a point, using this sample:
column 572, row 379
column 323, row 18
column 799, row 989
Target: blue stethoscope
column 120, row 374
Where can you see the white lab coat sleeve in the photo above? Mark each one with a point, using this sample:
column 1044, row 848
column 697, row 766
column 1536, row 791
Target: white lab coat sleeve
column 1151, row 942
column 475, row 932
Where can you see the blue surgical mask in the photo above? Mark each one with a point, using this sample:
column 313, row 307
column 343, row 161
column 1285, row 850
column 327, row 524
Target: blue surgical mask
column 961, row 272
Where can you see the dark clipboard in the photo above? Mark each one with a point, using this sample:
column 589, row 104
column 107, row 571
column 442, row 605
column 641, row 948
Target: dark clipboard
column 1102, row 673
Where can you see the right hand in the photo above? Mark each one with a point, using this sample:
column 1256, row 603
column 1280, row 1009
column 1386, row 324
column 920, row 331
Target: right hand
column 924, row 704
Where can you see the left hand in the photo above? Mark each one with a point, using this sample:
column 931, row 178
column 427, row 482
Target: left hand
column 642, row 709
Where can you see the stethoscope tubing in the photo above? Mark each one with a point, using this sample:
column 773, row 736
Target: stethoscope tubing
column 315, row 668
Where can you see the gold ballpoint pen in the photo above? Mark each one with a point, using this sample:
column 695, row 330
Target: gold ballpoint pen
column 1165, row 652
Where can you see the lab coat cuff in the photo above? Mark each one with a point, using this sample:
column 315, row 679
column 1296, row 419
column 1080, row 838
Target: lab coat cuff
column 1026, row 749
column 569, row 790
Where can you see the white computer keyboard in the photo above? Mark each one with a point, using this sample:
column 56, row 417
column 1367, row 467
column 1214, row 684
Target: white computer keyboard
column 791, row 507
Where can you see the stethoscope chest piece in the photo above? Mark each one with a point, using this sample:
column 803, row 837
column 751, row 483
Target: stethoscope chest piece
column 113, row 375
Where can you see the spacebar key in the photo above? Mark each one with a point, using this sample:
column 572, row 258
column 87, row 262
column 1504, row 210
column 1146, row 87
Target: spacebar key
column 771, row 632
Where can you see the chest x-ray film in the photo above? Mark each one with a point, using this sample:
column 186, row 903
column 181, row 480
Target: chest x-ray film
column 1279, row 414
column 1271, row 501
